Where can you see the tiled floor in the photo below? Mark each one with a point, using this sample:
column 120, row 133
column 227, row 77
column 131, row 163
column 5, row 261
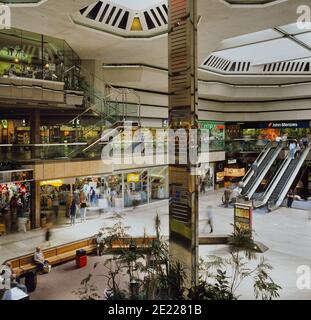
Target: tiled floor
column 287, row 233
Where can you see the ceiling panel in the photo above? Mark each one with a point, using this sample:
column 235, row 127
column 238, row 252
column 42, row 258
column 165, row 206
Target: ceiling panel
column 266, row 52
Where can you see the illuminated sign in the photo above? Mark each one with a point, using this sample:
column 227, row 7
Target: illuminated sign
column 133, row 177
column 233, row 172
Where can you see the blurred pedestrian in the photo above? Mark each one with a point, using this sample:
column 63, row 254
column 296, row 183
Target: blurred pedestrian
column 48, row 233
column 210, row 218
column 227, row 195
column 290, row 198
column 73, row 212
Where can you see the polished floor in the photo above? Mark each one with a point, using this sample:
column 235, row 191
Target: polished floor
column 287, row 233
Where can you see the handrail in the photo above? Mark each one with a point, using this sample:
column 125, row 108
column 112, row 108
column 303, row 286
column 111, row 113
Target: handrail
column 300, row 162
column 118, row 91
column 258, row 159
column 253, row 186
column 262, row 198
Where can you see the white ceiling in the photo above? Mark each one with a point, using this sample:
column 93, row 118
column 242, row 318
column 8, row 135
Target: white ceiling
column 219, row 21
column 266, row 52
column 136, row 4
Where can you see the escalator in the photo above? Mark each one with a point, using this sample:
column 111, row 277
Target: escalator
column 285, row 180
column 263, row 198
column 264, row 161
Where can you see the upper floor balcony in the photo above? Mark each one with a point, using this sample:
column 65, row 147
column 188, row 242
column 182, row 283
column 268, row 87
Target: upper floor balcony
column 38, row 68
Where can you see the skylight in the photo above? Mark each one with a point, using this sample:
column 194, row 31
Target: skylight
column 283, row 49
column 136, row 4
column 126, row 18
column 266, row 52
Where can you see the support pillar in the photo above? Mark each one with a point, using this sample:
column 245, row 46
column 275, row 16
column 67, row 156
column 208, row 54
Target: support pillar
column 35, row 204
column 35, row 137
column 183, row 111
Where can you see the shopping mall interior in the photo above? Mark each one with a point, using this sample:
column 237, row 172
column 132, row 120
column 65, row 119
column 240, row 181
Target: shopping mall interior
column 92, row 94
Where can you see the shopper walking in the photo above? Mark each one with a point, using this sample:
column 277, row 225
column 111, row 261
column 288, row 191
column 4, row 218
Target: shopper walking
column 210, row 218
column 82, row 206
column 290, row 198
column 73, row 212
column 227, row 195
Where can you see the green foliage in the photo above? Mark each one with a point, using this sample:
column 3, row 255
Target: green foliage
column 152, row 274
column 221, row 277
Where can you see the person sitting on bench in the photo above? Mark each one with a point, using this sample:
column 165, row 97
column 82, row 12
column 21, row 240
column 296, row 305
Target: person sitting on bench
column 39, row 259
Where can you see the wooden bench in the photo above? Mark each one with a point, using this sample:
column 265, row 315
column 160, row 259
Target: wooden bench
column 140, row 243
column 67, row 252
column 54, row 256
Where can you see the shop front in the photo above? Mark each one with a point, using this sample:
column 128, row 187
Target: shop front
column 268, row 130
column 16, row 201
column 212, row 135
column 103, row 193
column 233, row 175
column 158, row 184
column 32, row 55
column 207, row 177
column 219, row 175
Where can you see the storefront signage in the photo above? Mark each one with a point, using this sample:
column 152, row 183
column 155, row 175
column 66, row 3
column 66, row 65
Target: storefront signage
column 232, row 161
column 16, row 176
column 210, row 125
column 275, row 124
column 234, row 172
column 54, row 183
column 243, row 216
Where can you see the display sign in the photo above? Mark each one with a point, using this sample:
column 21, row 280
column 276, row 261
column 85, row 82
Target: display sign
column 234, row 172
column 54, row 183
column 133, row 177
column 232, row 161
column 243, row 214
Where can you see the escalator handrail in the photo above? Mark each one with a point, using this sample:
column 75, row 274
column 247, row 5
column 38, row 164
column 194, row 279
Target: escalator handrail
column 259, row 160
column 276, row 151
column 300, row 163
column 276, row 176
